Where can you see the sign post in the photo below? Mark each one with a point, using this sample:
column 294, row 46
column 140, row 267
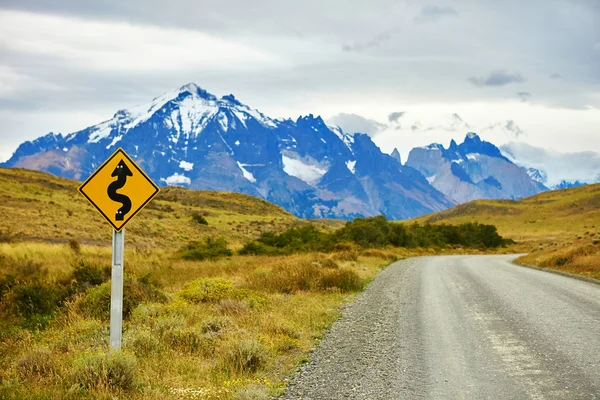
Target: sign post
column 116, row 289
column 118, row 189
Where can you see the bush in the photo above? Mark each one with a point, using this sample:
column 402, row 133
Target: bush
column 105, row 371
column 231, row 306
column 184, row 340
column 207, row 290
column 6, row 283
column 96, row 302
column 199, row 219
column 36, row 363
column 344, row 279
column 326, row 262
column 247, row 355
column 215, row 290
column 215, row 324
column 560, row 261
column 346, row 255
column 260, row 249
column 75, row 246
column 375, row 232
column 86, row 275
column 144, row 343
column 209, row 249
column 36, row 299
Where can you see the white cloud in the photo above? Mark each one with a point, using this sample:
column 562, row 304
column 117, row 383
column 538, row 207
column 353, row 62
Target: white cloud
column 120, row 46
column 353, row 123
column 583, row 166
column 60, row 60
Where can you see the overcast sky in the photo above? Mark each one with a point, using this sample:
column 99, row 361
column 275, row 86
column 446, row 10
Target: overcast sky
column 512, row 70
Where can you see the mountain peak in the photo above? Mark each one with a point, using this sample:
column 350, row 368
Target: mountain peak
column 396, row 156
column 473, row 136
column 196, row 90
column 230, row 98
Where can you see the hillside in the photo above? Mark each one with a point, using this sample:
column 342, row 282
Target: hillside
column 556, row 216
column 559, row 229
column 39, row 206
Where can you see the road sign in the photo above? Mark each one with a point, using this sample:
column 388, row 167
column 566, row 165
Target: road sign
column 119, row 189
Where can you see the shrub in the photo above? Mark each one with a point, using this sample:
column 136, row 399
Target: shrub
column 87, row 275
column 287, row 277
column 327, row 263
column 105, row 371
column 375, row 232
column 247, row 355
column 199, row 219
column 209, row 249
column 188, row 340
column 36, row 363
column 75, row 246
column 36, row 299
column 260, row 249
column 560, row 261
column 215, row 324
column 6, row 283
column 207, row 290
column 215, row 290
column 96, row 302
column 231, row 306
column 346, row 255
column 344, row 279
column 144, row 343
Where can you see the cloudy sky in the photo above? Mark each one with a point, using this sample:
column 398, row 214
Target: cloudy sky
column 413, row 72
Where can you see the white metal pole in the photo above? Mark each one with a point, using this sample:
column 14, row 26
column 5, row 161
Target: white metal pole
column 116, row 293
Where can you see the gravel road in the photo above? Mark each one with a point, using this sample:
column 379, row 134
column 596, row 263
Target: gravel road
column 461, row 327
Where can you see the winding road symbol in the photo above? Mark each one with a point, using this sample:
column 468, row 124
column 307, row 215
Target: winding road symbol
column 121, row 171
column 119, row 189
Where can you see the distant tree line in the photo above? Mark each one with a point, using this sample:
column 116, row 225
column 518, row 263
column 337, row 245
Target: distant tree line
column 376, row 232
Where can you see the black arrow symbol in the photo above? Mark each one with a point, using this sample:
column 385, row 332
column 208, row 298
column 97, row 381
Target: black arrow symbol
column 121, row 172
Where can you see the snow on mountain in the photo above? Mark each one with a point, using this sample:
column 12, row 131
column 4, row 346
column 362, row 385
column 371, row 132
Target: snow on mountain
column 191, row 138
column 475, row 169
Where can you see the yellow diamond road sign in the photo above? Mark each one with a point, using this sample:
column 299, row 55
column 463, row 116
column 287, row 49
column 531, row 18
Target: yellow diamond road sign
column 119, row 189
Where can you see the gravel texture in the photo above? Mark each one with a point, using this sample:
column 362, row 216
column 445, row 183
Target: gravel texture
column 460, row 327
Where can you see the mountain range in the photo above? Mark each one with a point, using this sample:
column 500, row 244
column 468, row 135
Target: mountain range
column 473, row 170
column 194, row 139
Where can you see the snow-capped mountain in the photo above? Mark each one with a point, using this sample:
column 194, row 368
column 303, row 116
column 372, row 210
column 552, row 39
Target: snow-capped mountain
column 537, row 175
column 191, row 138
column 473, row 170
column 568, row 185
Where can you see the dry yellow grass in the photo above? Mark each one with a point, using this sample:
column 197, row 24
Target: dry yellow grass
column 181, row 349
column 39, row 206
column 224, row 329
column 561, row 229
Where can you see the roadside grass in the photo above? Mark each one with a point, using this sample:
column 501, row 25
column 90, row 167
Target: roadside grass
column 213, row 329
column 581, row 257
column 550, row 217
column 559, row 229
column 227, row 326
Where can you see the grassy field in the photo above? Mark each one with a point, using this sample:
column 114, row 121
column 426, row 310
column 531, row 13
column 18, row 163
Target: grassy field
column 37, row 206
column 230, row 328
column 559, row 229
